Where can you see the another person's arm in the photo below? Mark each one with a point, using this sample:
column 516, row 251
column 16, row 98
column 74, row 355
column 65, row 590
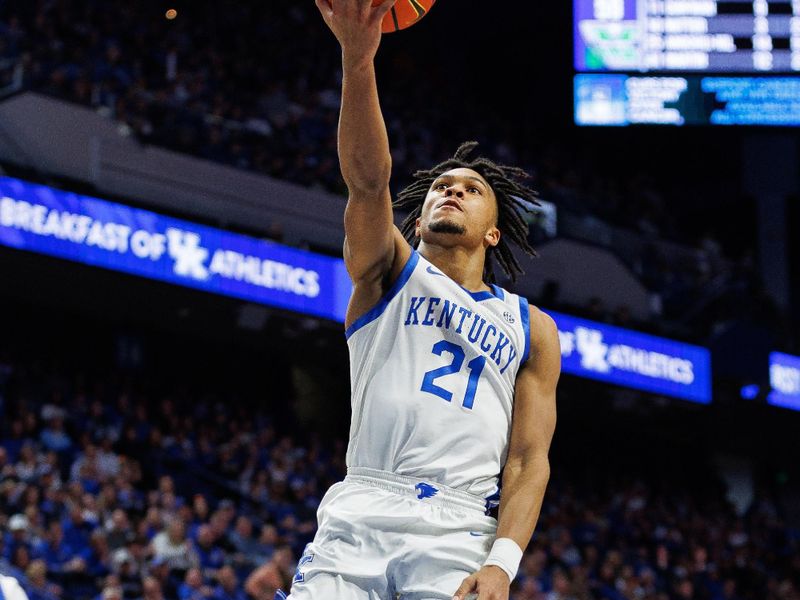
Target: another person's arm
column 527, row 468
column 371, row 239
column 263, row 582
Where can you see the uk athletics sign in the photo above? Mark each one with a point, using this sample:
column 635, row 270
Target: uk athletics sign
column 632, row 359
column 114, row 236
column 105, row 234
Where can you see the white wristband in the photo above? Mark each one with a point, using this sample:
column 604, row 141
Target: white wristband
column 505, row 554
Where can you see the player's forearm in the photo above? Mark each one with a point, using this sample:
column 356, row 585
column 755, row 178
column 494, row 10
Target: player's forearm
column 364, row 156
column 524, row 485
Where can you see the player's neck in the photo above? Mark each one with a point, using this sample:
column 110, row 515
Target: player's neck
column 462, row 265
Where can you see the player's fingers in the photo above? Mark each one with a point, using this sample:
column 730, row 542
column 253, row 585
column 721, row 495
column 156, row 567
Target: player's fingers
column 467, row 586
column 346, row 7
column 363, row 6
column 384, row 7
column 379, row 11
column 325, row 7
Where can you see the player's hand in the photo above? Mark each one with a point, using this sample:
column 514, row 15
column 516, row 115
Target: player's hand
column 490, row 583
column 357, row 26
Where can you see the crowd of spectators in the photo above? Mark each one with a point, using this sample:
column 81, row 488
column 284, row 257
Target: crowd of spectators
column 260, row 90
column 111, row 494
column 134, row 500
column 114, row 495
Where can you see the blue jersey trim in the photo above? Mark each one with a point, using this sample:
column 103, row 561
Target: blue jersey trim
column 498, row 291
column 377, row 310
column 479, row 296
column 525, row 313
column 495, row 292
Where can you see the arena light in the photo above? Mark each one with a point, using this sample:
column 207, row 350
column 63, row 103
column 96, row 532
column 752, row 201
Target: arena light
column 784, row 379
column 750, row 392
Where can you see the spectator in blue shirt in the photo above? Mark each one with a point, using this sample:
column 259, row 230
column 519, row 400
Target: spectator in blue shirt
column 77, row 531
column 27, row 467
column 268, row 539
column 228, row 587
column 98, row 562
column 14, row 442
column 247, row 547
column 211, row 556
column 54, row 437
column 55, row 552
column 37, row 586
column 18, row 536
column 194, row 587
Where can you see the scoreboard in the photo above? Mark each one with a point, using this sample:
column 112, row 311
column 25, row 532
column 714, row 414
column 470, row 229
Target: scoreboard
column 708, row 62
column 741, row 36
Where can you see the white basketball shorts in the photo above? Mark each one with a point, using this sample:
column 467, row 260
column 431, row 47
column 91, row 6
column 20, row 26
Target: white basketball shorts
column 383, row 536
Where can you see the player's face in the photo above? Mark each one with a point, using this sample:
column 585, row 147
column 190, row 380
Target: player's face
column 460, row 207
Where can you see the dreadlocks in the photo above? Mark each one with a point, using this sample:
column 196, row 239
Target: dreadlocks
column 512, row 202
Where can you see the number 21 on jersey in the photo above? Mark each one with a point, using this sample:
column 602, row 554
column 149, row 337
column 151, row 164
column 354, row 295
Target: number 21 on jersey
column 475, row 367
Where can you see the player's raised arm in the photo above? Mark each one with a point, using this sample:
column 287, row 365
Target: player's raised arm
column 364, row 156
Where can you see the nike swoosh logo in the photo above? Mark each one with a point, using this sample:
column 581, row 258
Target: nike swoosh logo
column 472, row 533
column 432, row 272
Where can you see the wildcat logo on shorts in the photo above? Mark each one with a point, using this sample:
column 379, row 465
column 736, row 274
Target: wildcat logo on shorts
column 307, row 557
column 509, row 317
column 425, row 490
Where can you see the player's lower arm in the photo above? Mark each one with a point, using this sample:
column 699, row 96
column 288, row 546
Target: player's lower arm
column 364, row 156
column 524, row 485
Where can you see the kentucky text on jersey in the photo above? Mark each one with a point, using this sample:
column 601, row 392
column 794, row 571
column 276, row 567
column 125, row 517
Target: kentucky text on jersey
column 424, row 311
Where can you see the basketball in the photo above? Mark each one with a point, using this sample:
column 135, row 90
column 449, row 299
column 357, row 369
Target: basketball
column 404, row 14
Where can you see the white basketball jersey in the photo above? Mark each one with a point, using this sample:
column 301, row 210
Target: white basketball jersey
column 432, row 369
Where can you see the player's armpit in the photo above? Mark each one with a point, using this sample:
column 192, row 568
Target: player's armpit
column 373, row 245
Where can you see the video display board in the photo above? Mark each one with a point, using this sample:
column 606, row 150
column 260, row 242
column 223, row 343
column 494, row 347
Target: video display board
column 687, row 62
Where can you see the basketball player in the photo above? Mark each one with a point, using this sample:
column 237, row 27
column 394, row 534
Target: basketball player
column 453, row 378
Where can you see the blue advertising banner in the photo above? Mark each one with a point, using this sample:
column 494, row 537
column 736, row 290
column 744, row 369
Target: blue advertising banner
column 105, row 234
column 96, row 232
column 635, row 360
column 784, row 379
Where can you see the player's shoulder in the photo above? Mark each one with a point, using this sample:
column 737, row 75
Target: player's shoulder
column 545, row 347
column 543, row 328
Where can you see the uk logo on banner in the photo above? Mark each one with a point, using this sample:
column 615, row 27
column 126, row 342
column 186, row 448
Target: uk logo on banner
column 190, row 257
column 99, row 233
column 632, row 359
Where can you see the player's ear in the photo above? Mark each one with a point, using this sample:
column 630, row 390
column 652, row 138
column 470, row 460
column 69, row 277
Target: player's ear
column 417, row 230
column 492, row 237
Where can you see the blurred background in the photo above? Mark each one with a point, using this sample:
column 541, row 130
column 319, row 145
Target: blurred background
column 174, row 392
